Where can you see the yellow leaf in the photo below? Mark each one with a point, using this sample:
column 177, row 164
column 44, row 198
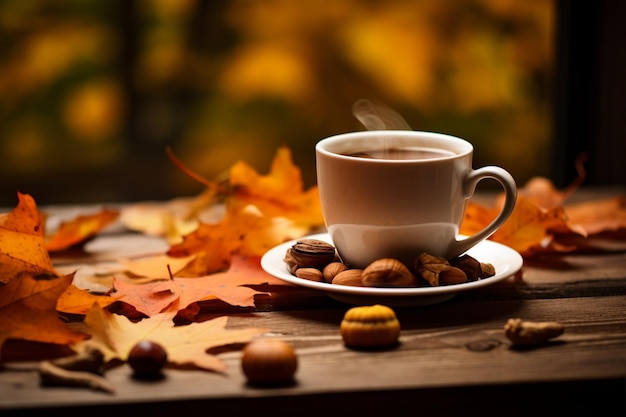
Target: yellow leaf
column 155, row 267
column 187, row 345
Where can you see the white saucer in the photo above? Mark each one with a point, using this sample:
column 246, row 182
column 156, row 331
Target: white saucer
column 505, row 260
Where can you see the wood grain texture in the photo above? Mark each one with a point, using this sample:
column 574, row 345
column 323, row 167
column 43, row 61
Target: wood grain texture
column 453, row 358
column 452, row 345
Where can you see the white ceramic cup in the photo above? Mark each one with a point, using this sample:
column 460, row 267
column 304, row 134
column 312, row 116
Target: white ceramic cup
column 378, row 207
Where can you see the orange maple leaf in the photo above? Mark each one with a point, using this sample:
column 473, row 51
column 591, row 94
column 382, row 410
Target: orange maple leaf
column 599, row 216
column 178, row 293
column 230, row 286
column 261, row 212
column 80, row 229
column 187, row 345
column 542, row 222
column 530, row 226
column 22, row 242
column 78, row 301
column 244, row 231
column 148, row 298
column 280, row 193
column 28, row 311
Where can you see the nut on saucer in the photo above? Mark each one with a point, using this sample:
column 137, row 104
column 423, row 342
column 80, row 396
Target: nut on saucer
column 311, row 253
column 331, row 270
column 387, row 272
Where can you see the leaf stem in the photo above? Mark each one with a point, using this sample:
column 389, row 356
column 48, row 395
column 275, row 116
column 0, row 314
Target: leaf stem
column 210, row 184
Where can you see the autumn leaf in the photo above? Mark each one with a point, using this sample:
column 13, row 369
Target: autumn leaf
column 80, row 229
column 279, row 194
column 244, row 231
column 247, row 270
column 22, row 242
column 148, row 298
column 28, row 311
column 78, row 301
column 171, row 219
column 529, row 226
column 544, row 194
column 476, row 217
column 229, row 286
column 178, row 293
column 603, row 219
column 187, row 345
column 95, row 277
column 256, row 212
column 542, row 222
column 155, row 267
column 598, row 216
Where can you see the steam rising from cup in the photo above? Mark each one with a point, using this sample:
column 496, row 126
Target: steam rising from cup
column 378, row 116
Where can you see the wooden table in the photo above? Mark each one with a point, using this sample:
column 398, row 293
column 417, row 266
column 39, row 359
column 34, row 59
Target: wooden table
column 453, row 358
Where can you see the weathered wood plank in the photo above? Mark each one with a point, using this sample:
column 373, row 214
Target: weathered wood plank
column 447, row 345
column 453, row 358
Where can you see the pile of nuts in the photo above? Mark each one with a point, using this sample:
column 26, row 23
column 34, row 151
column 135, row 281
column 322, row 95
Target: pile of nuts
column 317, row 260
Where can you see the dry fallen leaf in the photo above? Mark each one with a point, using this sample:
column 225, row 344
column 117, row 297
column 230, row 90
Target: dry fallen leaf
column 171, row 219
column 529, row 226
column 80, row 229
column 28, row 311
column 178, row 293
column 229, row 286
column 542, row 221
column 22, row 242
column 261, row 211
column 148, row 298
column 279, row 194
column 543, row 193
column 245, row 231
column 78, row 301
column 599, row 216
column 187, row 345
column 96, row 278
column 155, row 267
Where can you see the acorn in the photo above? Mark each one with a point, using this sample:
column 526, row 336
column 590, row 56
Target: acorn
column 147, row 359
column 269, row 362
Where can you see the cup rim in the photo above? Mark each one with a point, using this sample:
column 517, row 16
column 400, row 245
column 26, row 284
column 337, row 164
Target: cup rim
column 325, row 146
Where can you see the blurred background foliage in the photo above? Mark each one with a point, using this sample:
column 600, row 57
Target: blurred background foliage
column 93, row 92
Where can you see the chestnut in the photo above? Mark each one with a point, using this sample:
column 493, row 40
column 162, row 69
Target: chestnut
column 269, row 362
column 147, row 358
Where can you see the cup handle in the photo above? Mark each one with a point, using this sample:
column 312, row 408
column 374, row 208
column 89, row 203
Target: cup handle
column 510, row 190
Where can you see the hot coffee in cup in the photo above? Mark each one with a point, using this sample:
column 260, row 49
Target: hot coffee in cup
column 407, row 153
column 393, row 193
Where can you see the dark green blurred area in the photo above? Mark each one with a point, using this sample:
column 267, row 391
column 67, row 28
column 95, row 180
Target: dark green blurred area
column 92, row 93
